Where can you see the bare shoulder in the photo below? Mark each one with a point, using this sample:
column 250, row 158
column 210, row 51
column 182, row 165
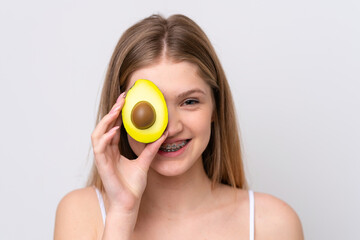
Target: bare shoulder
column 275, row 219
column 77, row 215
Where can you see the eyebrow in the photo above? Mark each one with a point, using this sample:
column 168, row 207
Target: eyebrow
column 189, row 92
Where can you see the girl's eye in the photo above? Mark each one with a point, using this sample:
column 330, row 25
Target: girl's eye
column 191, row 102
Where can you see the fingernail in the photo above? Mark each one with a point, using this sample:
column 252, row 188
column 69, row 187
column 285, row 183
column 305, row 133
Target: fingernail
column 114, row 129
column 122, row 95
column 166, row 133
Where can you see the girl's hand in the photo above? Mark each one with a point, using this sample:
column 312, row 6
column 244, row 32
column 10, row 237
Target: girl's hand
column 124, row 180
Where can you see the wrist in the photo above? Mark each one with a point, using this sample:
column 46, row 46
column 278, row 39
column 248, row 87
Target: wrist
column 123, row 209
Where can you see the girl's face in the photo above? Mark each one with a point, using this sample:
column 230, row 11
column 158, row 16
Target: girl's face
column 190, row 107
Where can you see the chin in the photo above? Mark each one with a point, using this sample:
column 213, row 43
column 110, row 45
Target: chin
column 168, row 168
column 173, row 167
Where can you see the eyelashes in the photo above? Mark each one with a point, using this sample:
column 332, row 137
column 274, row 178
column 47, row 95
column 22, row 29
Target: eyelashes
column 189, row 102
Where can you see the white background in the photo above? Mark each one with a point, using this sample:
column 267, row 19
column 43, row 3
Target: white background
column 294, row 71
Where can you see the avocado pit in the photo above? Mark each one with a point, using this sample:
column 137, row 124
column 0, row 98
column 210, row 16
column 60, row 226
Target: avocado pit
column 143, row 115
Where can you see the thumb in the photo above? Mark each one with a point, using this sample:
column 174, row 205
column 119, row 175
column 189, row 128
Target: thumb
column 149, row 152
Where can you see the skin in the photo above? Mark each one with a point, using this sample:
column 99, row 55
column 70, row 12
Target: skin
column 162, row 197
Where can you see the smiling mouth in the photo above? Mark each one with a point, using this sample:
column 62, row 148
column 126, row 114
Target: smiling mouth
column 173, row 147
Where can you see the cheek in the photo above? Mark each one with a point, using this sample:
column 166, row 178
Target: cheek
column 206, row 129
column 136, row 146
column 200, row 123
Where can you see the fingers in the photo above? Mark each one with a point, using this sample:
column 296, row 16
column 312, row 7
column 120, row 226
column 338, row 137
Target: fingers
column 104, row 141
column 151, row 149
column 116, row 139
column 108, row 121
column 117, row 108
column 107, row 172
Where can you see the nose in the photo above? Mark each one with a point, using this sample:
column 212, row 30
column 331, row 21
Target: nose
column 175, row 124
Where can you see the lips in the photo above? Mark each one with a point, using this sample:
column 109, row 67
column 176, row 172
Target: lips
column 173, row 147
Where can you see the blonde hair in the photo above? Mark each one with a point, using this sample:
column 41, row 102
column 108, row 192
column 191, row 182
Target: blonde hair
column 179, row 39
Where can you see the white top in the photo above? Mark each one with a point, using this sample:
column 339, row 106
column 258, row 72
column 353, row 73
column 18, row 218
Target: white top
column 251, row 207
column 252, row 214
column 101, row 203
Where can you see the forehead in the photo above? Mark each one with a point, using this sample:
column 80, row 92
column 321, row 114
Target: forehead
column 171, row 78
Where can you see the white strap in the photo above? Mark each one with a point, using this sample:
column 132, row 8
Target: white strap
column 101, row 203
column 252, row 216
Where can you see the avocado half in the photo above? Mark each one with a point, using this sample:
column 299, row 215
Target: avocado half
column 145, row 114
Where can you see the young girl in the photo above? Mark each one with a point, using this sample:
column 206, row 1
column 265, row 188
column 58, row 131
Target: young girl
column 196, row 191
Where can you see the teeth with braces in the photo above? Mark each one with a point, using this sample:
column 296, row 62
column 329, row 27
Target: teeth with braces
column 173, row 147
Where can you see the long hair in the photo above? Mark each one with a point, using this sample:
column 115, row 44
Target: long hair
column 179, row 39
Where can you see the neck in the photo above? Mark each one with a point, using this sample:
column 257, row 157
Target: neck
column 176, row 196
